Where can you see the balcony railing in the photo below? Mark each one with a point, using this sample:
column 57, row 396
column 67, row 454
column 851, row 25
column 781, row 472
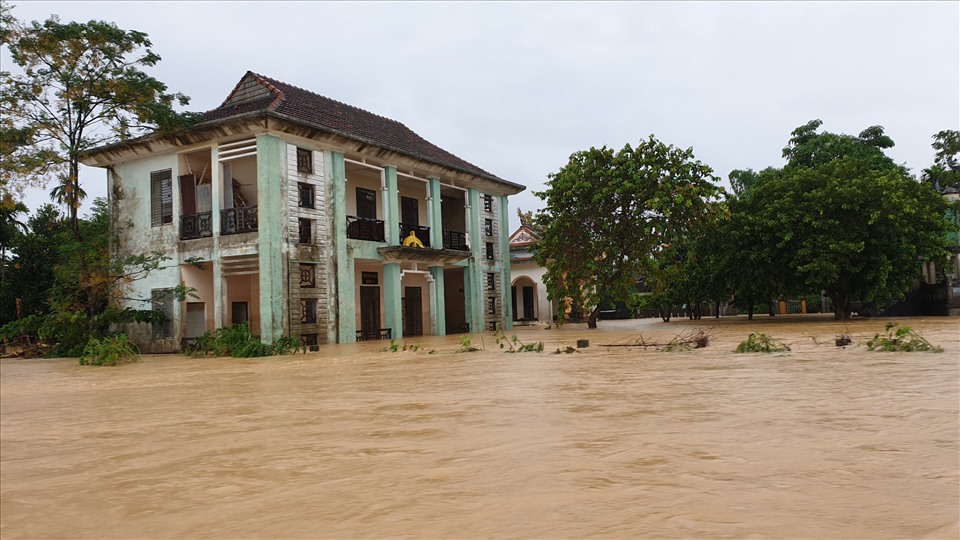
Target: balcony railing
column 455, row 240
column 423, row 233
column 238, row 220
column 196, row 226
column 365, row 229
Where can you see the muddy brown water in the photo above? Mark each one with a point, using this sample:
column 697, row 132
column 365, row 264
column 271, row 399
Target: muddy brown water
column 609, row 442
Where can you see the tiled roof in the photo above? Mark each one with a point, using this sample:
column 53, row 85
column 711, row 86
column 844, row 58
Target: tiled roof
column 351, row 122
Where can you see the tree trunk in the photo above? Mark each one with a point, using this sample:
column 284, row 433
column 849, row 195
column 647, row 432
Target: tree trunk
column 750, row 312
column 717, row 312
column 841, row 307
column 594, row 315
column 73, row 197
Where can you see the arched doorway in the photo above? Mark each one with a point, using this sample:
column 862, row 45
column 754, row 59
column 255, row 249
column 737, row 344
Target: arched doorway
column 524, row 295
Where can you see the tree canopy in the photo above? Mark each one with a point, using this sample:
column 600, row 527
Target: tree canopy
column 78, row 86
column 607, row 211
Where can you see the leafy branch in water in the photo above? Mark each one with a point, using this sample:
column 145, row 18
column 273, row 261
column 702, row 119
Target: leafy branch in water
column 514, row 345
column 759, row 342
column 901, row 339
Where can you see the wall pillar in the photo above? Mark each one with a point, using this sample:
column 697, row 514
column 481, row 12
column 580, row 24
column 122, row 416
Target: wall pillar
column 435, row 214
column 270, row 189
column 219, row 298
column 473, row 274
column 341, row 302
column 504, row 248
column 438, row 304
column 392, row 294
column 392, row 207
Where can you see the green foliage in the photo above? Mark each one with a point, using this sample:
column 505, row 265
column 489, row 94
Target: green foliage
column 605, row 213
column 396, row 346
column 109, row 351
column 840, row 217
column 78, row 86
column 237, row 341
column 466, row 345
column 514, row 345
column 901, row 339
column 759, row 342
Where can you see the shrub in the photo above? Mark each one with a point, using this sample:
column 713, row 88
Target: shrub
column 109, row 351
column 237, row 341
column 902, row 339
column 758, row 342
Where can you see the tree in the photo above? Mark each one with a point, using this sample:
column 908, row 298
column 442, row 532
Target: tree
column 945, row 171
column 30, row 276
column 80, row 86
column 844, row 218
column 607, row 211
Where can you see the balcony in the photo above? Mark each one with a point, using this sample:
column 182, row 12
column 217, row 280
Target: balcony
column 455, row 240
column 238, row 220
column 196, row 226
column 365, row 229
column 423, row 233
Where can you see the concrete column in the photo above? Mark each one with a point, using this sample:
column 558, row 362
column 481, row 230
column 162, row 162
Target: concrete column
column 473, row 275
column 438, row 304
column 392, row 206
column 270, row 189
column 503, row 242
column 219, row 298
column 341, row 301
column 436, row 217
column 392, row 294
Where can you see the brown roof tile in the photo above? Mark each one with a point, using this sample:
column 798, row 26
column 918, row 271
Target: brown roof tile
column 340, row 118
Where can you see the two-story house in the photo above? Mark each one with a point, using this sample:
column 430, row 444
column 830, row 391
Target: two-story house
column 303, row 208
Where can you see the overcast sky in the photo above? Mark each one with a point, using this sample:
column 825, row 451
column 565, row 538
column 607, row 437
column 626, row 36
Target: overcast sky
column 516, row 87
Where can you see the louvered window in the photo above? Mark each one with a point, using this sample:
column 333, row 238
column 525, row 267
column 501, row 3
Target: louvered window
column 161, row 197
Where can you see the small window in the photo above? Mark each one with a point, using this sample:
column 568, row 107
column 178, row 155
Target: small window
column 161, row 198
column 491, row 306
column 308, row 276
column 488, row 227
column 307, row 196
column 304, row 161
column 491, row 281
column 163, row 302
column 305, row 231
column 308, row 313
column 487, row 203
column 490, row 250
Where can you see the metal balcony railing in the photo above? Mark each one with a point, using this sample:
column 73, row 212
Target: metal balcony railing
column 455, row 240
column 196, row 226
column 238, row 220
column 365, row 229
column 423, row 233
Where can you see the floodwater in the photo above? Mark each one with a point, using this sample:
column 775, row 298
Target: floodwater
column 608, row 442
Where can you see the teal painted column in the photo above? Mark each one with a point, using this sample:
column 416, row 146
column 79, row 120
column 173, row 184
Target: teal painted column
column 342, row 303
column 436, row 225
column 270, row 190
column 392, row 218
column 438, row 303
column 392, row 307
column 505, row 280
column 473, row 276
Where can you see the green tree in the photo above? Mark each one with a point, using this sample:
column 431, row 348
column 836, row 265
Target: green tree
column 30, row 276
column 80, row 85
column 607, row 211
column 842, row 217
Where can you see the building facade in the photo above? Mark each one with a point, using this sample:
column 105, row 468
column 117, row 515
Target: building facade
column 528, row 293
column 304, row 211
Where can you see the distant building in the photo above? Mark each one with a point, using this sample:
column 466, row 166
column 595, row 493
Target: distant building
column 300, row 205
column 528, row 293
